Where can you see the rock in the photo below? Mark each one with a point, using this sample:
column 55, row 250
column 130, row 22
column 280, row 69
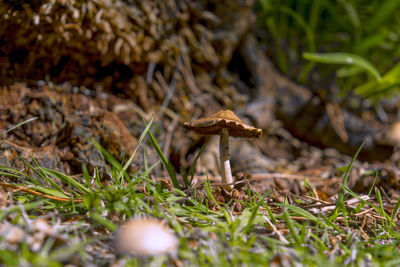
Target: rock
column 47, row 157
column 13, row 235
column 390, row 136
column 101, row 126
column 59, row 138
column 246, row 157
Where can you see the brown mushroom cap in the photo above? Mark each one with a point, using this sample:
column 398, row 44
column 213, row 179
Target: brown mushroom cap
column 223, row 119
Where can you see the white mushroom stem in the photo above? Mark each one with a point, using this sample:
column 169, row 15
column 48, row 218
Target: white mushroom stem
column 224, row 158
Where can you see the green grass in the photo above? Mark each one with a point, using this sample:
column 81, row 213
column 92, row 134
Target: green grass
column 208, row 236
column 357, row 41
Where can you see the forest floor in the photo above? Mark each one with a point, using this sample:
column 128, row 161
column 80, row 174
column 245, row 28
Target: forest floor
column 310, row 206
column 93, row 99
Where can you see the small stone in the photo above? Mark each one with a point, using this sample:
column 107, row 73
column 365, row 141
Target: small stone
column 13, row 234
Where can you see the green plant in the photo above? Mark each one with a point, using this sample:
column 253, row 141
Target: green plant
column 86, row 211
column 361, row 34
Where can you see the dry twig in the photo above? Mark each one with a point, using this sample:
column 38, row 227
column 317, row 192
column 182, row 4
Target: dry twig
column 34, row 192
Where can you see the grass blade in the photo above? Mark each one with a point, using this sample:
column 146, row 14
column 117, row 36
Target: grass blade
column 385, row 12
column 395, row 211
column 343, row 58
column 8, row 171
column 303, row 213
column 39, row 172
column 378, row 209
column 66, row 179
column 142, row 136
column 115, row 163
column 20, row 124
column 390, row 82
column 302, row 23
column 86, row 175
column 251, row 219
column 382, row 210
column 103, row 221
column 292, row 229
column 344, row 181
column 164, row 161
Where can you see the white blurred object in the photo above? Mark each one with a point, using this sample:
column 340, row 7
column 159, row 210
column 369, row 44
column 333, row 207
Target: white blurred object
column 146, row 237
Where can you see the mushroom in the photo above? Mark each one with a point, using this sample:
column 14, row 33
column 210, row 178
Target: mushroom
column 223, row 123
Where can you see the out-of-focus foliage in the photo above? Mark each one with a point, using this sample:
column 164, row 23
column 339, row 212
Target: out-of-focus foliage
column 344, row 33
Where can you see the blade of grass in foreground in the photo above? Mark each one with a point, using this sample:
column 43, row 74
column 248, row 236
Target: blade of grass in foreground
column 86, row 175
column 303, row 213
column 66, row 179
column 7, row 174
column 142, row 136
column 8, row 171
column 395, row 210
column 19, row 124
column 164, row 161
column 270, row 214
column 292, row 229
column 208, row 188
column 377, row 209
column 117, row 167
column 379, row 198
column 106, row 154
column 340, row 200
column 251, row 219
column 40, row 173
